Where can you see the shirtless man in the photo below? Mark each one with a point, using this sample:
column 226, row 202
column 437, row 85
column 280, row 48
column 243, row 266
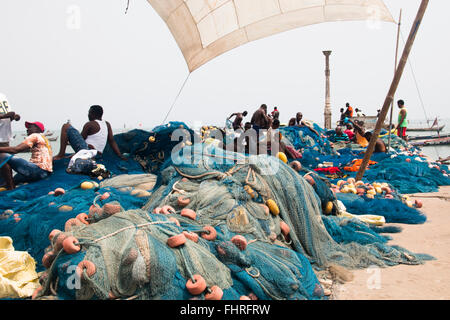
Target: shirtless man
column 300, row 123
column 380, row 146
column 95, row 135
column 260, row 120
column 237, row 123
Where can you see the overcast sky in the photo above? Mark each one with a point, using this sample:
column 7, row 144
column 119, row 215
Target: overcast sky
column 52, row 71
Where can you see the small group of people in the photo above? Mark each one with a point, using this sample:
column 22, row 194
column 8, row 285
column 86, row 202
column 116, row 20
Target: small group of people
column 349, row 112
column 354, row 131
column 261, row 119
column 95, row 135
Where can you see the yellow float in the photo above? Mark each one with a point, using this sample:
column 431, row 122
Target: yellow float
column 282, row 157
column 250, row 191
column 273, row 207
column 328, row 207
column 65, row 208
column 87, row 185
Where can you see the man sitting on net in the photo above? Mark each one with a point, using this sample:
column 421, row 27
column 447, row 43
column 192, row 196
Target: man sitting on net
column 95, row 135
column 40, row 165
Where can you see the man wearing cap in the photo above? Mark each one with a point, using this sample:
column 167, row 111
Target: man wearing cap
column 40, row 165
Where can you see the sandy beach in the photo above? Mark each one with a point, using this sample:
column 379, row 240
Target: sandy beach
column 429, row 281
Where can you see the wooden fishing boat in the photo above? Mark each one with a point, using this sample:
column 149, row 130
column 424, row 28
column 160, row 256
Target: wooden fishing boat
column 447, row 135
column 427, row 129
column 369, row 122
column 432, row 142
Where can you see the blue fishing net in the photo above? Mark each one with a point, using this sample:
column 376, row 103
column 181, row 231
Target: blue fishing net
column 129, row 249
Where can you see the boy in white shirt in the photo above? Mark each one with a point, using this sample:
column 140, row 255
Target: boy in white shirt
column 6, row 117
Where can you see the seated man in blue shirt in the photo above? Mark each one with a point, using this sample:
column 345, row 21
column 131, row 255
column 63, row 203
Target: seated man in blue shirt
column 339, row 136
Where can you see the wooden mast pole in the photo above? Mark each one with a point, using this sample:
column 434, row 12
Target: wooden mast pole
column 395, row 69
column 393, row 88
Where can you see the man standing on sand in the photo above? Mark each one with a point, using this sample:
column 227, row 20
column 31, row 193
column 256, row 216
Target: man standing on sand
column 6, row 117
column 40, row 165
column 402, row 124
column 95, row 135
column 237, row 123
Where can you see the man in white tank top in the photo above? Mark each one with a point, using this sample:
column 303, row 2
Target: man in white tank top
column 95, row 135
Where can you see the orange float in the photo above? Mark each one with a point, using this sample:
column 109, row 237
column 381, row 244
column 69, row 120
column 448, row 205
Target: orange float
column 176, row 241
column 157, row 210
column 72, row 222
column 285, row 229
column 215, row 294
column 36, row 293
column 83, row 217
column 182, row 201
column 60, row 237
column 240, row 242
column 211, row 233
column 105, row 196
column 167, row 210
column 197, row 286
column 87, row 265
column 418, row 203
column 175, row 220
column 310, row 180
column 71, row 245
column 59, row 191
column 188, row 213
column 112, row 208
column 191, row 236
column 48, row 259
column 296, row 165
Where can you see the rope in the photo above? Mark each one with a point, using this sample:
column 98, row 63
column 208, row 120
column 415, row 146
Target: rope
column 415, row 81
column 178, row 190
column 199, row 176
column 132, row 227
column 176, row 98
column 418, row 91
column 6, row 160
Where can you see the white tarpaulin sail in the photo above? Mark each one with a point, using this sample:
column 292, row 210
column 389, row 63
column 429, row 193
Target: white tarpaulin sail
column 205, row 29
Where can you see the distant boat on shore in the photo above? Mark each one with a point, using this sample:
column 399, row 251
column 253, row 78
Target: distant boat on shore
column 418, row 129
column 432, row 142
column 447, row 135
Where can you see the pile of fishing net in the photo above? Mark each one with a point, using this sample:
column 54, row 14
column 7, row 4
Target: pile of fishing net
column 405, row 167
column 213, row 228
column 212, row 224
column 309, row 143
column 151, row 148
column 29, row 223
